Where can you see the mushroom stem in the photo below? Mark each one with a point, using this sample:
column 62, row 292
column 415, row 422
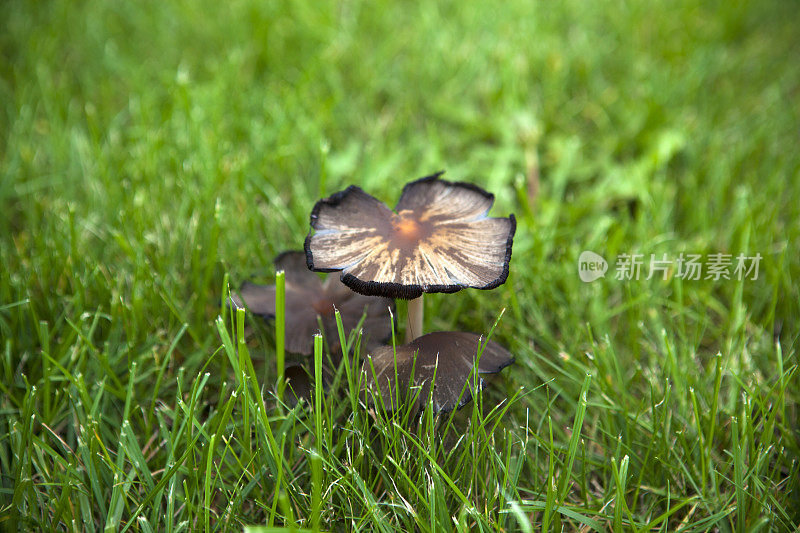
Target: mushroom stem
column 414, row 319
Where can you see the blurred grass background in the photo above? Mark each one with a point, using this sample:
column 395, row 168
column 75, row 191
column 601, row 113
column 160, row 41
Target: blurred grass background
column 148, row 149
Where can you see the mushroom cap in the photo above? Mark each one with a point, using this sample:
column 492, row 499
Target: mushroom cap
column 307, row 298
column 300, row 382
column 438, row 239
column 447, row 356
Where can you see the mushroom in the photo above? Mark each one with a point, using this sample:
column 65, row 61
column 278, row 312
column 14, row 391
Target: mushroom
column 307, row 298
column 438, row 239
column 300, row 383
column 447, row 356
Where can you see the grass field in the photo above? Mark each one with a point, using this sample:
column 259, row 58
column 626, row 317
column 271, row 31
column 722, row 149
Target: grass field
column 153, row 152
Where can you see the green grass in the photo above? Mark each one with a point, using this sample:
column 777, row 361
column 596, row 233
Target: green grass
column 152, row 152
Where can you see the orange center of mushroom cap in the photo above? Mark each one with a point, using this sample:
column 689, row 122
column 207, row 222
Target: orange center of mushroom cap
column 408, row 230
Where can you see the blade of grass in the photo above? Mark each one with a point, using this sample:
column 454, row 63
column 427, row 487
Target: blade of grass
column 280, row 329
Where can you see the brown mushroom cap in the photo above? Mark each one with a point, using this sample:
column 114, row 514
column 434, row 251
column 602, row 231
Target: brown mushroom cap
column 440, row 239
column 450, row 355
column 300, row 383
column 308, row 297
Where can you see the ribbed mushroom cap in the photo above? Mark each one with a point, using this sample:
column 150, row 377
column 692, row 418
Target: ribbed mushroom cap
column 307, row 297
column 449, row 355
column 439, row 239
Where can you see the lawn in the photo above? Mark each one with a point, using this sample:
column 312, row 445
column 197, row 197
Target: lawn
column 155, row 155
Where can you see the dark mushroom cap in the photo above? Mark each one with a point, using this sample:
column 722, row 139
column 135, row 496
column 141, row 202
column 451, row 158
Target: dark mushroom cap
column 449, row 355
column 307, row 297
column 300, row 383
column 439, row 239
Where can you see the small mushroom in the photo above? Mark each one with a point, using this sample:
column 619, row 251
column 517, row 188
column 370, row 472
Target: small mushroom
column 447, row 356
column 307, row 298
column 438, row 239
